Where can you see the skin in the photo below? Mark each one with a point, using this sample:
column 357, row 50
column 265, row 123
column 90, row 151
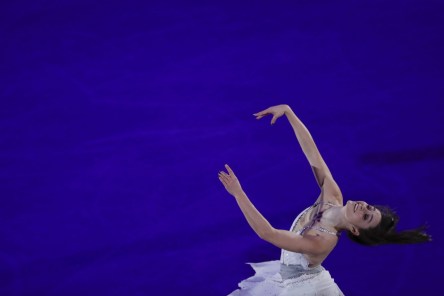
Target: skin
column 314, row 244
column 361, row 215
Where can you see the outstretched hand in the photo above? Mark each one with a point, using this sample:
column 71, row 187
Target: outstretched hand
column 230, row 181
column 276, row 111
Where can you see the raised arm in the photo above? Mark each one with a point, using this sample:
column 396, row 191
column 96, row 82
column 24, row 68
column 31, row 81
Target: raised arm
column 320, row 169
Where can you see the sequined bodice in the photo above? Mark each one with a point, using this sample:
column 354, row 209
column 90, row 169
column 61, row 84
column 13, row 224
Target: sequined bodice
column 315, row 219
column 293, row 258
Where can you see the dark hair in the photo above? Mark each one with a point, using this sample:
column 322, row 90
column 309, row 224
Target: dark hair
column 385, row 232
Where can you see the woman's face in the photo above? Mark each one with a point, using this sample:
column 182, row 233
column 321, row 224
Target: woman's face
column 362, row 215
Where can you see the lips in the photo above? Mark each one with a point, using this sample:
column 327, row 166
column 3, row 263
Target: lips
column 356, row 206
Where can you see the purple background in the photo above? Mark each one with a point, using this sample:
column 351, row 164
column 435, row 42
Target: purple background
column 117, row 116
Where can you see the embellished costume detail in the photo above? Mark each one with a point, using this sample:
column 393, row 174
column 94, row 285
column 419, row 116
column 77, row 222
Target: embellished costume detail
column 291, row 275
column 316, row 218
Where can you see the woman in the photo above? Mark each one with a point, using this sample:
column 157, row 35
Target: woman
column 315, row 231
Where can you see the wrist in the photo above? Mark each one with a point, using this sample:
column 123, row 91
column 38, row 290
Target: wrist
column 239, row 194
column 287, row 109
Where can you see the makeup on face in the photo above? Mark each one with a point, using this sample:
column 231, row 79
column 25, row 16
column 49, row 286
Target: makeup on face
column 365, row 212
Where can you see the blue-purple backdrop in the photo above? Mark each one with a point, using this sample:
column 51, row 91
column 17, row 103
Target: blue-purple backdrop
column 117, row 116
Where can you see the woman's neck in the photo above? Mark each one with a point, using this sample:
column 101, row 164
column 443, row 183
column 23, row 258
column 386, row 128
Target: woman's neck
column 335, row 218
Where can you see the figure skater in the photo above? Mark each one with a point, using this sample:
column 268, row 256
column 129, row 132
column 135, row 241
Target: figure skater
column 315, row 231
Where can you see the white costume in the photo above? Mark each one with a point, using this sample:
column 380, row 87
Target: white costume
column 290, row 275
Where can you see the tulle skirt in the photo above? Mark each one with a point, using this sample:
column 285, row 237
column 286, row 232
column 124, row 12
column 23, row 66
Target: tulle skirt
column 268, row 281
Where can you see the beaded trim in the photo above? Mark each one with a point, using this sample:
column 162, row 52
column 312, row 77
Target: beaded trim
column 320, row 228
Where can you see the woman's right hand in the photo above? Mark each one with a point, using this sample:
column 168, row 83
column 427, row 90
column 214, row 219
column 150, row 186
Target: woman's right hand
column 276, row 111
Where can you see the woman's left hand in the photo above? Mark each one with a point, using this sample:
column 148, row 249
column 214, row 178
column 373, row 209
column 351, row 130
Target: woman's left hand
column 230, row 181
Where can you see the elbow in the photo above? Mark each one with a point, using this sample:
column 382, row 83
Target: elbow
column 267, row 234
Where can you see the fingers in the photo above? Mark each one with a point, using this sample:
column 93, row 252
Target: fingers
column 224, row 177
column 261, row 113
column 224, row 182
column 273, row 120
column 230, row 171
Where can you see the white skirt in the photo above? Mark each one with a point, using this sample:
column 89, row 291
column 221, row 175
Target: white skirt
column 267, row 281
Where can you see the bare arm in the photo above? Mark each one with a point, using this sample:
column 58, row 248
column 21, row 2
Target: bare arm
column 290, row 241
column 320, row 169
column 306, row 141
column 293, row 242
column 258, row 223
column 283, row 239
